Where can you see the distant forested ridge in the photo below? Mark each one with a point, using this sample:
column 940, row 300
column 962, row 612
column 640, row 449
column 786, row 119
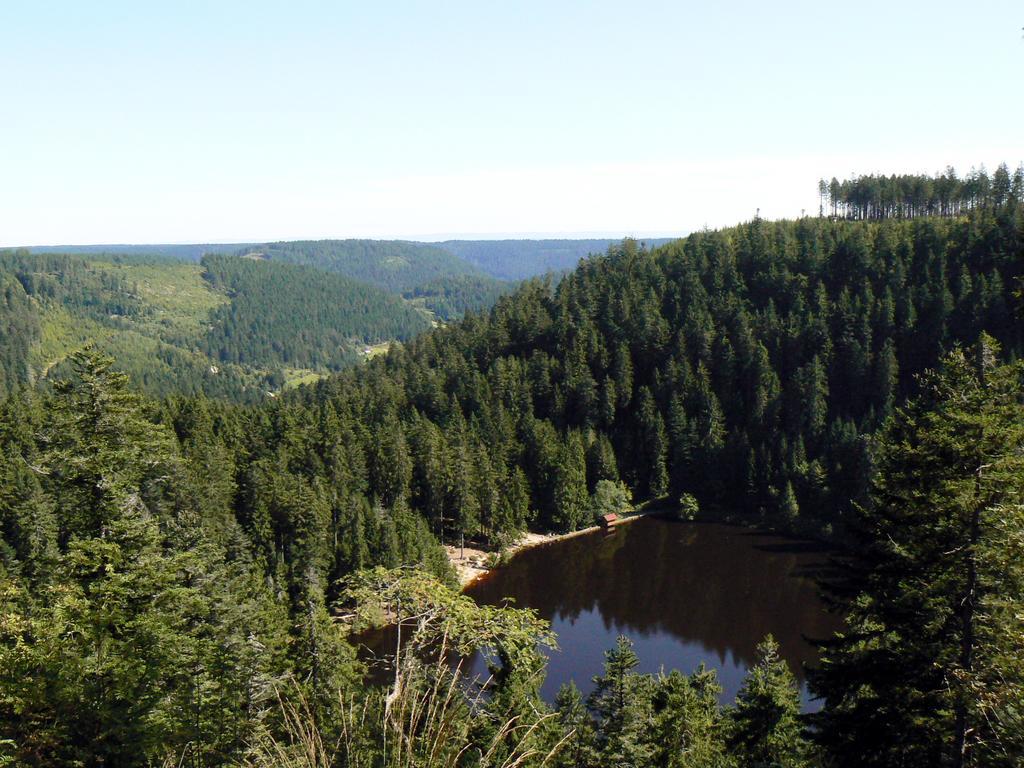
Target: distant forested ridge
column 300, row 317
column 393, row 265
column 146, row 311
column 188, row 252
column 431, row 277
column 522, row 259
column 228, row 328
column 909, row 196
column 448, row 278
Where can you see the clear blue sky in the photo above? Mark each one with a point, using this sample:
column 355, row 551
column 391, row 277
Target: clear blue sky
column 227, row 121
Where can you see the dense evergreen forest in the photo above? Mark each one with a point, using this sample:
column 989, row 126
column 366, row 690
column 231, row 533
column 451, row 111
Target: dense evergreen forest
column 148, row 312
column 169, row 570
column 229, row 328
column 450, row 298
column 433, row 278
column 300, row 317
column 748, row 366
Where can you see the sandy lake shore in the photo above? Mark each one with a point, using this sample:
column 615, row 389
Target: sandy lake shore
column 471, row 563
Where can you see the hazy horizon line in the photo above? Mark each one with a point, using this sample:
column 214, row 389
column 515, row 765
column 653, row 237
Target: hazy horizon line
column 416, row 238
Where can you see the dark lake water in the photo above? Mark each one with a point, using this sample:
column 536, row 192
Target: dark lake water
column 685, row 593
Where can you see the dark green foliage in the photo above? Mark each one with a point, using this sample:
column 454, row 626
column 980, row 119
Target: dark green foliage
column 107, row 653
column 764, row 727
column 452, row 297
column 165, row 370
column 904, row 197
column 675, row 720
column 748, row 367
column 620, row 704
column 688, row 724
column 19, row 330
column 574, row 720
column 929, row 671
column 298, row 317
column 147, row 605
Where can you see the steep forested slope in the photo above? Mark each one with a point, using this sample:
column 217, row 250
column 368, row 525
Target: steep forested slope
column 749, row 366
column 448, row 278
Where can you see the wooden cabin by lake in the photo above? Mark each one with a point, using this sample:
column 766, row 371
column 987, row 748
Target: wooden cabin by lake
column 607, row 521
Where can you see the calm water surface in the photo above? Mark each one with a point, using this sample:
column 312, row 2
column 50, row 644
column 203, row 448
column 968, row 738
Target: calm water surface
column 685, row 593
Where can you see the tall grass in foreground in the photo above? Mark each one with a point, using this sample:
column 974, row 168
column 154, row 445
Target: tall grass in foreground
column 426, row 721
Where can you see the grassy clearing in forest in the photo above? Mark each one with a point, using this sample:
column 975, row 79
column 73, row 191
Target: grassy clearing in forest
column 181, row 300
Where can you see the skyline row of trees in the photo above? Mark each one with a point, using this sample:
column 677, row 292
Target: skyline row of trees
column 908, row 196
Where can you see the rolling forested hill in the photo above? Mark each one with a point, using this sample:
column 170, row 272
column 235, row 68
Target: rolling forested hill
column 394, row 265
column 448, row 278
column 299, row 317
column 148, row 313
column 229, row 327
column 438, row 281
